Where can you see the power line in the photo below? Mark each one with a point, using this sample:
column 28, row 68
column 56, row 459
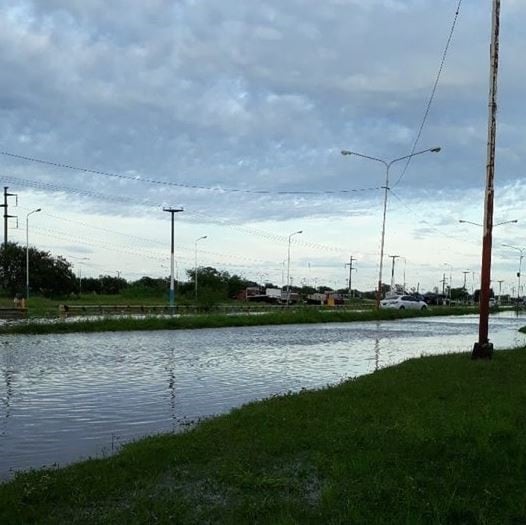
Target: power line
column 424, row 221
column 154, row 241
column 148, row 180
column 150, row 254
column 125, row 200
column 75, row 191
column 433, row 92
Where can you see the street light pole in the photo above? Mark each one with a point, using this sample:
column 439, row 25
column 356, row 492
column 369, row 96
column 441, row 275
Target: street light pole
column 521, row 252
column 172, row 212
column 386, row 188
column 394, row 257
column 27, row 251
column 465, row 276
column 500, row 288
column 288, row 265
column 80, row 272
column 450, row 280
column 195, row 266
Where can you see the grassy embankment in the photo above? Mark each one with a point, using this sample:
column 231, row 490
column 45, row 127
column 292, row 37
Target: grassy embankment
column 296, row 316
column 434, row 440
column 47, row 307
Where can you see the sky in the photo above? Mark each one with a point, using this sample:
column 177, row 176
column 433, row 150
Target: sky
column 237, row 112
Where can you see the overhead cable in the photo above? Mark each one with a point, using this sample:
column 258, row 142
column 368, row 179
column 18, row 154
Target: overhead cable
column 126, row 200
column 220, row 189
column 432, row 96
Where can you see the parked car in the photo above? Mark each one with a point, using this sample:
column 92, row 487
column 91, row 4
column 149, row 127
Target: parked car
column 403, row 302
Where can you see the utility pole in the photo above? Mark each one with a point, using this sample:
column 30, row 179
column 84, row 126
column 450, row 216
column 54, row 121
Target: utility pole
column 483, row 349
column 172, row 211
column 6, row 212
column 351, row 269
column 443, row 281
column 394, row 257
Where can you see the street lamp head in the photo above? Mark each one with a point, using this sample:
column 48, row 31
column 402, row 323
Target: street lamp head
column 300, row 231
column 34, row 211
column 438, row 149
column 346, row 152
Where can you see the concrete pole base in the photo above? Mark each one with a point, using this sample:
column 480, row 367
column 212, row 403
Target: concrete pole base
column 482, row 351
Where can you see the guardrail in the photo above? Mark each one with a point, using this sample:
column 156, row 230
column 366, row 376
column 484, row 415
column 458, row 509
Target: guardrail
column 68, row 310
column 13, row 313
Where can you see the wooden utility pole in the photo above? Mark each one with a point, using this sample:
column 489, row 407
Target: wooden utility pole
column 483, row 349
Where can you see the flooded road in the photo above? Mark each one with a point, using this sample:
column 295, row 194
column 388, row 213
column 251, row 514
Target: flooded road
column 72, row 396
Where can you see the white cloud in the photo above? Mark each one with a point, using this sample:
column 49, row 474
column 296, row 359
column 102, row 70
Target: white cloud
column 262, row 96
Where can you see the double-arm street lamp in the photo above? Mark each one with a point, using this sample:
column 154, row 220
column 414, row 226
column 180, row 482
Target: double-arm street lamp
column 521, row 252
column 195, row 261
column 27, row 251
column 514, row 221
column 386, row 188
column 288, row 265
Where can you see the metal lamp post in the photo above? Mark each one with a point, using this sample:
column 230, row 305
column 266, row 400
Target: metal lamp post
column 27, row 251
column 80, row 269
column 521, row 252
column 387, row 165
column 288, row 265
column 80, row 272
column 195, row 262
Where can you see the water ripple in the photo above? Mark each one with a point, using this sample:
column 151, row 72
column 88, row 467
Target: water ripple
column 72, row 396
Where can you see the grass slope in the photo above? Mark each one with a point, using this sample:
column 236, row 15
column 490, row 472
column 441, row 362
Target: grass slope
column 434, row 440
column 221, row 320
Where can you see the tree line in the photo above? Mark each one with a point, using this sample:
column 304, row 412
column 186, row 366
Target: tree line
column 53, row 276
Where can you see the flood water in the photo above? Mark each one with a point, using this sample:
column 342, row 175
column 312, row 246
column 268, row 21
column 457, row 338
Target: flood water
column 73, row 396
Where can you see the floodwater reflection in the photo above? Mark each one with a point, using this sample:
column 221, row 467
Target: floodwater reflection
column 72, row 396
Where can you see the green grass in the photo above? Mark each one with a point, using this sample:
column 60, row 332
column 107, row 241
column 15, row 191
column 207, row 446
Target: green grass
column 42, row 306
column 298, row 316
column 433, row 440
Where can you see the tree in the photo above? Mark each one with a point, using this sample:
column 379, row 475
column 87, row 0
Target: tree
column 476, row 295
column 111, row 285
column 215, row 285
column 48, row 275
column 459, row 294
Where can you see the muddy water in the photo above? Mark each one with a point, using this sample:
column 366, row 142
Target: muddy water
column 73, row 396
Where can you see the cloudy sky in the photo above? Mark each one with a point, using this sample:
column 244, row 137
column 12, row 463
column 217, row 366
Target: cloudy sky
column 237, row 111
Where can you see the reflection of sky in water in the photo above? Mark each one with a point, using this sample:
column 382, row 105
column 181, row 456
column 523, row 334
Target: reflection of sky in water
column 63, row 397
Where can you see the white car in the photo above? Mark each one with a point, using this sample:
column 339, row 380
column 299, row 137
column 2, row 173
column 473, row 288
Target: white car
column 403, row 302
